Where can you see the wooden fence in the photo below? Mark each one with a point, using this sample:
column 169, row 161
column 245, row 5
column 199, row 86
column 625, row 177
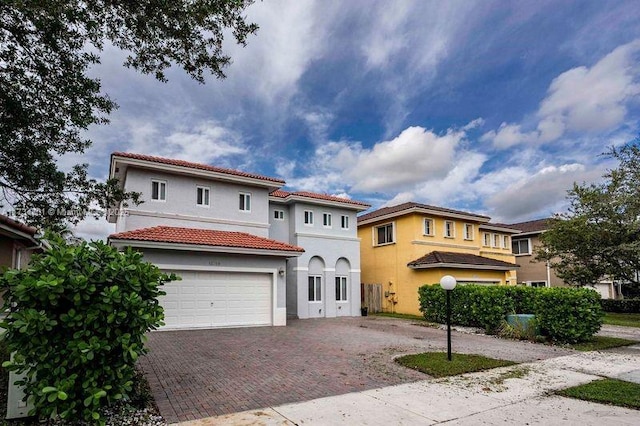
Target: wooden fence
column 371, row 295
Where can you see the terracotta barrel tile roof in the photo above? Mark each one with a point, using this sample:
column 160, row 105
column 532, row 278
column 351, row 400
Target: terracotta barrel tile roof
column 197, row 166
column 305, row 194
column 407, row 206
column 204, row 237
column 440, row 257
column 18, row 226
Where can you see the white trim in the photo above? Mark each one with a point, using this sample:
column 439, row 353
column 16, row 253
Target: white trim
column 330, row 217
column 290, row 199
column 432, row 226
column 310, row 216
column 196, row 218
column 342, row 218
column 357, row 271
column 272, row 271
column 247, row 196
column 329, row 269
column 330, row 237
column 119, row 243
column 300, row 268
column 18, row 233
column 435, row 243
column 472, row 234
column 280, row 215
column 160, row 182
column 492, row 227
column 530, row 248
column 374, row 233
column 207, row 190
column 453, row 229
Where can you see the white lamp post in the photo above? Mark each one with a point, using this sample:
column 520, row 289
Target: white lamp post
column 448, row 283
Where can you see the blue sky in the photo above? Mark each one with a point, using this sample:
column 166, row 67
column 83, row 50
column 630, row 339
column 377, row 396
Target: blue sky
column 495, row 107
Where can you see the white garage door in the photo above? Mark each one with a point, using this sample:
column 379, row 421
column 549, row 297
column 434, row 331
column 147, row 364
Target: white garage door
column 217, row 299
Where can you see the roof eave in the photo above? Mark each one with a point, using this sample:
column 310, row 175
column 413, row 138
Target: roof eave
column 291, row 199
column 463, row 266
column 120, row 243
column 422, row 210
column 490, row 227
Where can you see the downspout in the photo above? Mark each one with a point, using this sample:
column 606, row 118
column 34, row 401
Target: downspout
column 548, row 274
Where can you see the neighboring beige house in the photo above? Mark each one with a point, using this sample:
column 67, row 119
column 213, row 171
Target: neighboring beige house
column 538, row 273
column 17, row 242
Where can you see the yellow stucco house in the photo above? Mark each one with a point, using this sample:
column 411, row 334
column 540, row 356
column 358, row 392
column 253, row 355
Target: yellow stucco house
column 406, row 246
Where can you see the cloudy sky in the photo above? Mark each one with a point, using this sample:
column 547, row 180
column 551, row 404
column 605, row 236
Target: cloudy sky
column 494, row 107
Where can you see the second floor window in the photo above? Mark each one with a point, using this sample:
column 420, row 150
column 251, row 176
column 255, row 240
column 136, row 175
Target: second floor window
column 505, row 241
column 384, row 234
column 428, row 227
column 449, row 229
column 344, row 222
column 326, row 220
column 308, row 217
column 468, row 231
column 278, row 215
column 496, row 240
column 158, row 190
column 202, row 196
column 245, row 202
column 521, row 246
column 486, row 239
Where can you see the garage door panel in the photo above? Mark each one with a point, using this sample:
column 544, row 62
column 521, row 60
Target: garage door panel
column 218, row 299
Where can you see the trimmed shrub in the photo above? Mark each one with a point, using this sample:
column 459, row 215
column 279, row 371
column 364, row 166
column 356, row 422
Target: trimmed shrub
column 624, row 306
column 563, row 314
column 76, row 324
column 568, row 315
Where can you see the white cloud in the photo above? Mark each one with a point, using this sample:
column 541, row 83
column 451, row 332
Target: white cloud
column 528, row 195
column 94, row 229
column 581, row 100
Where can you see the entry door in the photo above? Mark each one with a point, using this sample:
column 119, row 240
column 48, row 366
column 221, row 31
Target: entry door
column 316, row 293
column 217, row 299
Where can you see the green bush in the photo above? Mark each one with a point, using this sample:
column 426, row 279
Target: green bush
column 76, row 324
column 625, row 306
column 563, row 314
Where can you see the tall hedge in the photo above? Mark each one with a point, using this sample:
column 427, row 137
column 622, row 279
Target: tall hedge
column 76, row 323
column 625, row 306
column 562, row 314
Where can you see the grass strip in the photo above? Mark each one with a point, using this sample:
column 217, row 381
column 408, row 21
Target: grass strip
column 436, row 364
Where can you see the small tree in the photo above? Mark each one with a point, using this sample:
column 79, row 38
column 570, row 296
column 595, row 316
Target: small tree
column 600, row 235
column 76, row 324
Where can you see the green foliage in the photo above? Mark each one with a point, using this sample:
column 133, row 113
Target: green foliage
column 436, row 364
column 627, row 306
column 76, row 323
column 599, row 343
column 47, row 100
column 562, row 314
column 600, row 235
column 567, row 314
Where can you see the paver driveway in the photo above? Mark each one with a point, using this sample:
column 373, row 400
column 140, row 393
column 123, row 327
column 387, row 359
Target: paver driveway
column 202, row 373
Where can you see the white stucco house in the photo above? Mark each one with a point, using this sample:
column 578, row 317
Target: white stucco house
column 249, row 253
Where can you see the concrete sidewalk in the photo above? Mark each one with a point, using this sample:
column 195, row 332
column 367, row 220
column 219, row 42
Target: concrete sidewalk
column 520, row 394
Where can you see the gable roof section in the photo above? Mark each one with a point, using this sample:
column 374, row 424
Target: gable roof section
column 196, row 166
column 532, row 226
column 411, row 207
column 445, row 259
column 195, row 239
column 313, row 196
column 17, row 230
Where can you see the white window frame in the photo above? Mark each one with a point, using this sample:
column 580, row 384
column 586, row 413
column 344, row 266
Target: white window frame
column 518, row 240
column 432, row 229
column 342, row 288
column 495, row 240
column 384, row 225
column 530, row 283
column 344, row 222
column 316, row 295
column 205, row 190
column 453, row 229
column 327, row 220
column 244, row 202
column 308, row 218
column 469, row 235
column 486, row 239
column 506, row 244
column 160, row 183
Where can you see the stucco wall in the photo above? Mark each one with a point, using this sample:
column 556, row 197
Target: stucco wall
column 180, row 207
column 531, row 270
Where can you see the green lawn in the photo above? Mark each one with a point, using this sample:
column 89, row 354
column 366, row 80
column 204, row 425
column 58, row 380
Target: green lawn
column 607, row 391
column 598, row 343
column 627, row 320
column 436, row 364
